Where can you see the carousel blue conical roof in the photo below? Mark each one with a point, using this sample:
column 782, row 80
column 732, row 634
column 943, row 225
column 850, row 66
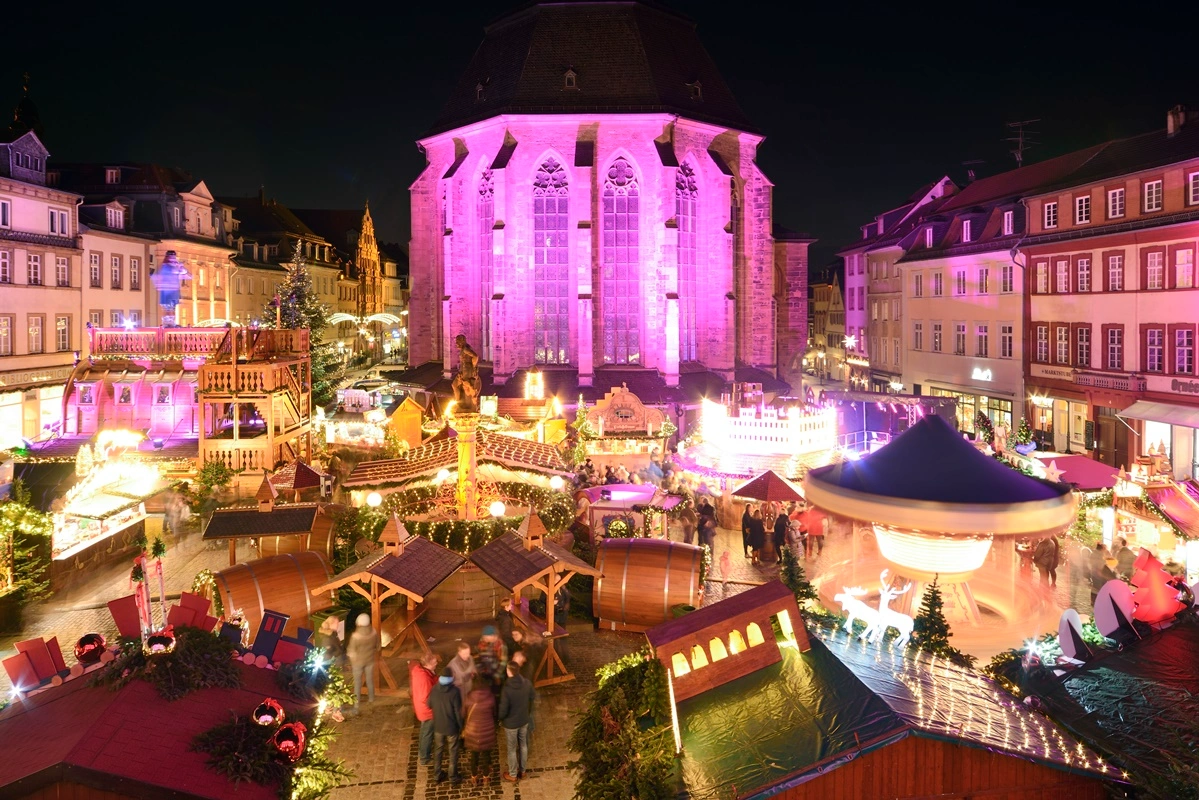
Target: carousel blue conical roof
column 932, row 462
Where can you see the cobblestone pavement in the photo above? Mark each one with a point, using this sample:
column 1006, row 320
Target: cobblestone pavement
column 380, row 745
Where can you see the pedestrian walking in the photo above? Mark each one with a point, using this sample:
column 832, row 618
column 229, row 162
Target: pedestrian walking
column 491, row 658
column 363, row 650
column 1125, row 558
column 446, row 704
column 516, row 708
column 1046, row 557
column 746, row 518
column 422, row 677
column 1100, row 572
column 782, row 525
column 504, row 623
column 757, row 537
column 478, row 731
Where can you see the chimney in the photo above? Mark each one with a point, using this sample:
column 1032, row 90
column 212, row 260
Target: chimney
column 1177, row 117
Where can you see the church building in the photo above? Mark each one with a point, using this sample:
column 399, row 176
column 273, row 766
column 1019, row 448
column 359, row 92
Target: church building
column 591, row 205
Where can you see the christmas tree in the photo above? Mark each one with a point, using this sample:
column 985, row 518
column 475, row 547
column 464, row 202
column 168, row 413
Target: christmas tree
column 1023, row 433
column 299, row 307
column 792, row 575
column 1157, row 601
column 986, row 431
column 930, row 629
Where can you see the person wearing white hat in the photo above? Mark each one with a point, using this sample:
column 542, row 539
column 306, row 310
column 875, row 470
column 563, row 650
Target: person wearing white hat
column 363, row 650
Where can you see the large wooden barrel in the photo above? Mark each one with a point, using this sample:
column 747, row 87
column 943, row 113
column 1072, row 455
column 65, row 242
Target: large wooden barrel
column 281, row 583
column 642, row 579
column 468, row 595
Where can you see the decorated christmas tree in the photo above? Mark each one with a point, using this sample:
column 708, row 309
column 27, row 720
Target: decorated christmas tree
column 930, row 629
column 1157, row 601
column 986, row 431
column 1023, row 433
column 792, row 575
column 300, row 307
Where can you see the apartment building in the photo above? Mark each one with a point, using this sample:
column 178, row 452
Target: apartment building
column 40, row 271
column 1114, row 303
column 115, row 289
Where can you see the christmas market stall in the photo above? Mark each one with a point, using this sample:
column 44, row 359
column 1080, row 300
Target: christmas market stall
column 621, row 509
column 271, row 529
column 406, row 567
column 526, row 561
column 845, row 720
column 620, row 430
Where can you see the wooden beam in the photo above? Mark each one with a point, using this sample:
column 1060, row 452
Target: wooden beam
column 232, row 552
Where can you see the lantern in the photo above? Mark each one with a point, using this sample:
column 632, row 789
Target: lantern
column 269, row 712
column 289, row 740
column 90, row 648
column 159, row 643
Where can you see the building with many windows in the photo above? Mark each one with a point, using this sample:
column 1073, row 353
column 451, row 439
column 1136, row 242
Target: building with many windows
column 591, row 205
column 874, row 298
column 40, row 269
column 115, row 290
column 177, row 213
column 1114, row 304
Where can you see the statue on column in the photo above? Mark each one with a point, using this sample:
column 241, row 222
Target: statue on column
column 168, row 279
column 467, row 385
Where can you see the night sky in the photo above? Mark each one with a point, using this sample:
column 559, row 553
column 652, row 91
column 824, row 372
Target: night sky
column 322, row 105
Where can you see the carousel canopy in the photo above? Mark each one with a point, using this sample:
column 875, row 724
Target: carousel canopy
column 932, row 479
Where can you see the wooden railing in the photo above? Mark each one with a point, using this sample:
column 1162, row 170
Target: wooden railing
column 256, row 377
column 195, row 342
column 240, row 456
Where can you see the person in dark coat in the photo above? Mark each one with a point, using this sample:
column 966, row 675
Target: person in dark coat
column 1124, row 558
column 516, row 709
column 782, row 524
column 445, row 701
column 1046, row 557
column 1100, row 572
column 757, row 536
column 746, row 519
column 478, row 730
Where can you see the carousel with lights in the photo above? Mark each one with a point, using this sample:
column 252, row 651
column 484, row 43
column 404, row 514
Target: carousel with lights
column 930, row 506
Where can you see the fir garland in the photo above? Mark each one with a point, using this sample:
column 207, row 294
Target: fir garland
column 205, row 584
column 200, row 660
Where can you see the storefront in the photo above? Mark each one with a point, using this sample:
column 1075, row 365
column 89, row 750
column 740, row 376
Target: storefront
column 31, row 404
column 970, row 405
column 1170, row 429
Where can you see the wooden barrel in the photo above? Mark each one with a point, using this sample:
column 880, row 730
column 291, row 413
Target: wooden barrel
column 466, row 596
column 642, row 579
column 281, row 583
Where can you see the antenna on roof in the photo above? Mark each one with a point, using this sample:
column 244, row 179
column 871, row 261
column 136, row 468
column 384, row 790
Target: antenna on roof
column 1022, row 139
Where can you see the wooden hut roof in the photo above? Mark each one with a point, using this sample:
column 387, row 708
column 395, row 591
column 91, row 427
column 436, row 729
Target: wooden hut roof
column 266, row 490
column 718, row 613
column 245, row 522
column 297, row 475
column 511, row 564
column 419, row 568
column 442, row 453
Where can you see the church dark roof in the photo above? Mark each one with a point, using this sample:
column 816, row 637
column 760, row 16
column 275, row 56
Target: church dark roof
column 627, row 57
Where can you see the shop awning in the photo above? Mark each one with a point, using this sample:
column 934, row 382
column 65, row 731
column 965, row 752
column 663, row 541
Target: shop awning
column 1169, row 413
column 1085, row 474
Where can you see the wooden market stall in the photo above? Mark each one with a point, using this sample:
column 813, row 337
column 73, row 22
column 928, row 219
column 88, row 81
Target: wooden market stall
column 524, row 560
column 273, row 530
column 406, row 566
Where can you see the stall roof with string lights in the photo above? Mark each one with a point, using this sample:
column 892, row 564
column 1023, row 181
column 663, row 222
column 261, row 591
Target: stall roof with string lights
column 847, row 720
column 424, row 462
column 524, row 559
column 405, row 566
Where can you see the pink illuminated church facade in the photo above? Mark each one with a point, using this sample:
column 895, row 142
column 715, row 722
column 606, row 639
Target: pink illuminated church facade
column 591, row 203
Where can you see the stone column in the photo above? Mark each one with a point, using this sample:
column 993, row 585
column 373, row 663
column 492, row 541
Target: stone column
column 466, row 426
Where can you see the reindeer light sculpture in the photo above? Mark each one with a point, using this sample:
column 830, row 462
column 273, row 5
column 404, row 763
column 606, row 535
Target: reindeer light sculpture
column 851, row 604
column 888, row 618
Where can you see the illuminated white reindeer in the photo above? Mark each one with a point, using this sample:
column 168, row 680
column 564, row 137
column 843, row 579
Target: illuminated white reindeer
column 852, row 605
column 891, row 619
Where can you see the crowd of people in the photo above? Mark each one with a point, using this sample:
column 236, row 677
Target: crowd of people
column 658, row 472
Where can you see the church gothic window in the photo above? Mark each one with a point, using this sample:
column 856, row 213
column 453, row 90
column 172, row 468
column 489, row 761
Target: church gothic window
column 685, row 195
column 486, row 217
column 621, row 265
column 551, row 273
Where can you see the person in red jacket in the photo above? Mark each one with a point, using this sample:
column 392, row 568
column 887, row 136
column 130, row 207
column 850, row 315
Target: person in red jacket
column 422, row 675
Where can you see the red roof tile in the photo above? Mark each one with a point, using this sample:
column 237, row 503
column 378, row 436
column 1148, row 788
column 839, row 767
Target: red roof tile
column 440, row 454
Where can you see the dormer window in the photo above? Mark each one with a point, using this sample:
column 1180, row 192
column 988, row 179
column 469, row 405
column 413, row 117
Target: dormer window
column 115, row 218
column 965, row 231
column 697, row 91
column 928, row 236
column 112, row 175
column 176, row 216
column 570, row 80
